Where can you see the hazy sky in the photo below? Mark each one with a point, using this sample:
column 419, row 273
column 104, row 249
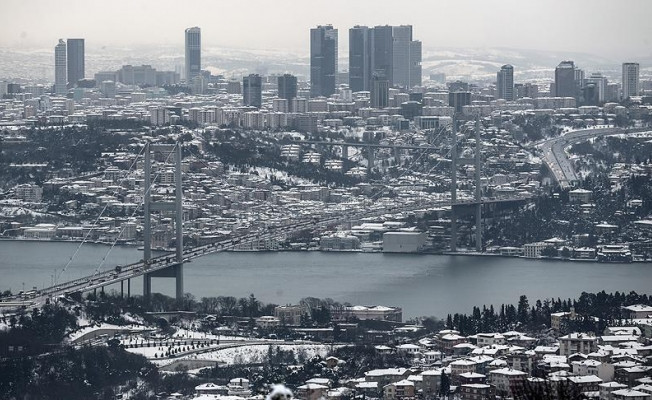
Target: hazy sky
column 612, row 28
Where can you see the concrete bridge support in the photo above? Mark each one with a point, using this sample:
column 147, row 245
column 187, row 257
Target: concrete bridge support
column 175, row 270
column 370, row 159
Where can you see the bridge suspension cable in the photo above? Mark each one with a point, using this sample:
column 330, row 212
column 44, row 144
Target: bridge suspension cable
column 92, row 227
column 101, row 264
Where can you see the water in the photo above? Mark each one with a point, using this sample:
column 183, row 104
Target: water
column 421, row 284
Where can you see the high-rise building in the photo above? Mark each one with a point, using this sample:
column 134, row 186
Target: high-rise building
column 406, row 57
column 379, row 90
column 565, row 85
column 416, row 73
column 193, row 53
column 382, row 47
column 505, row 82
column 76, row 64
column 359, row 58
column 252, row 87
column 60, row 78
column 600, row 83
column 323, row 60
column 458, row 100
column 631, row 83
column 287, row 87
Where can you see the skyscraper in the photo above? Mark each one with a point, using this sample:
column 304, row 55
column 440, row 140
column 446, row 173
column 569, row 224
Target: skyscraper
column 458, row 100
column 60, row 77
column 193, row 53
column 382, row 47
column 600, row 83
column 252, row 87
column 359, row 58
column 631, row 84
column 379, row 90
column 76, row 63
column 406, row 57
column 505, row 82
column 415, row 63
column 565, row 85
column 287, row 88
column 323, row 60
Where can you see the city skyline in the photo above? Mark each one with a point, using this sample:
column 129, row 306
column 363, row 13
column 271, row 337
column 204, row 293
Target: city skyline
column 552, row 35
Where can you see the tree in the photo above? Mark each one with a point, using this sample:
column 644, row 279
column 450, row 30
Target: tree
column 522, row 310
column 445, row 388
column 549, row 252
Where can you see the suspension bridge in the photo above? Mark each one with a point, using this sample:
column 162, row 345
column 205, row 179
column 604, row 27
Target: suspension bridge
column 171, row 265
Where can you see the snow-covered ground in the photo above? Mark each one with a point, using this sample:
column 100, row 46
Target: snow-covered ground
column 253, row 354
column 84, row 330
column 159, row 351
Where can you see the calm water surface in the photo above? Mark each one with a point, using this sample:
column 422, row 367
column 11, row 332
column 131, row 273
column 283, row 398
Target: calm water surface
column 421, row 284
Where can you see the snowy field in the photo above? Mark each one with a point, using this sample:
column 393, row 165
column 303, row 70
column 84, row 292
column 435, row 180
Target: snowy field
column 253, row 354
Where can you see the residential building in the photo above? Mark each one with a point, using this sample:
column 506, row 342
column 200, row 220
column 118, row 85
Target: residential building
column 577, row 343
column 638, row 311
column 380, row 313
column 507, row 380
column 533, row 250
column 631, row 83
column 477, row 391
column 630, row 394
column 399, row 390
column 289, row 315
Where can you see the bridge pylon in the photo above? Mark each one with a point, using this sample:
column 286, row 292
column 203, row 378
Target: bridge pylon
column 477, row 161
column 175, row 270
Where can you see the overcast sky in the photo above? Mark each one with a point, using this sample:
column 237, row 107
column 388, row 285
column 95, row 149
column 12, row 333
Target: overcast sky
column 611, row 28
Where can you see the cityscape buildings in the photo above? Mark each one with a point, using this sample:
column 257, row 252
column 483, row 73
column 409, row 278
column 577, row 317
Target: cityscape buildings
column 387, row 50
column 323, row 60
column 193, row 53
column 76, row 60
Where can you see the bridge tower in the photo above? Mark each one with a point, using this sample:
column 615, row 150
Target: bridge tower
column 478, row 188
column 175, row 270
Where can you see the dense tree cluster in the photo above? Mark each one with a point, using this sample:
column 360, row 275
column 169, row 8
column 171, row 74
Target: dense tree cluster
column 594, row 312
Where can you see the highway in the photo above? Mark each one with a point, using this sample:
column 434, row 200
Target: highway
column 555, row 157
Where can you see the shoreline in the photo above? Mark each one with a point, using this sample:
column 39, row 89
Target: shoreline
column 357, row 251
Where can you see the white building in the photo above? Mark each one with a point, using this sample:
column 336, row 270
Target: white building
column 631, row 83
column 403, row 242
